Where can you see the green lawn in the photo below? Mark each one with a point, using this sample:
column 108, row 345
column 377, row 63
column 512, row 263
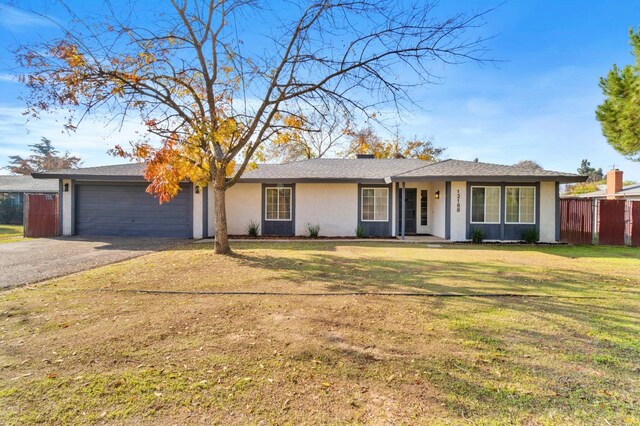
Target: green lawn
column 88, row 349
column 10, row 233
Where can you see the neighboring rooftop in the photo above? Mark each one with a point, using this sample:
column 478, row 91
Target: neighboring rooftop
column 19, row 183
column 632, row 190
column 346, row 170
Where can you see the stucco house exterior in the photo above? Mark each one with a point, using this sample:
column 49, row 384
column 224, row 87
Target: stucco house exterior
column 380, row 197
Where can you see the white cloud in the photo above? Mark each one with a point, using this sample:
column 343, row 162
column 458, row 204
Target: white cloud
column 90, row 142
column 8, row 78
column 484, row 107
column 13, row 18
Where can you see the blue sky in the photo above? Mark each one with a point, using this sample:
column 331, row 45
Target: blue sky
column 537, row 103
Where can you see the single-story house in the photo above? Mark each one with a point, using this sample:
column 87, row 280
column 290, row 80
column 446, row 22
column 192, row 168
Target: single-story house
column 13, row 188
column 615, row 189
column 379, row 197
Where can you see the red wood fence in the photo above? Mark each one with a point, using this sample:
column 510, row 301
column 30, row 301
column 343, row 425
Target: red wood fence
column 576, row 220
column 611, row 222
column 634, row 223
column 616, row 222
column 41, row 215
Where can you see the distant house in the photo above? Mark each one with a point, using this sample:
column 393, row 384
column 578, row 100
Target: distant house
column 14, row 188
column 345, row 197
column 614, row 189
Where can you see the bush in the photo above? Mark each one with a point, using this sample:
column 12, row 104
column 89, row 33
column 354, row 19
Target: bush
column 477, row 236
column 8, row 210
column 253, row 229
column 360, row 231
column 313, row 230
column 530, row 236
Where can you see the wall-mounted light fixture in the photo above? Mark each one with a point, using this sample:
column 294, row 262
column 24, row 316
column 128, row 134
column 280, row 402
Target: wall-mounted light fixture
column 437, row 195
column 66, row 187
column 197, row 189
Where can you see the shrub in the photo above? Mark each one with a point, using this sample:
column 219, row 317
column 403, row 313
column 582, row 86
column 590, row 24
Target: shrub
column 253, row 229
column 8, row 210
column 477, row 236
column 313, row 230
column 530, row 235
column 360, row 231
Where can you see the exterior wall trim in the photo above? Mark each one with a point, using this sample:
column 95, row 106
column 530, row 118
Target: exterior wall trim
column 492, row 179
column 205, row 211
column 557, row 211
column 263, row 214
column 503, row 203
column 447, row 210
column 386, row 229
column 74, row 194
column 60, row 211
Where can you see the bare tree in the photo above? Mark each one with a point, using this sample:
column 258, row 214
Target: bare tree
column 215, row 101
column 325, row 133
column 528, row 164
column 367, row 141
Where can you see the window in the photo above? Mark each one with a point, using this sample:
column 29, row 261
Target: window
column 424, row 212
column 521, row 204
column 375, row 204
column 485, row 204
column 278, row 204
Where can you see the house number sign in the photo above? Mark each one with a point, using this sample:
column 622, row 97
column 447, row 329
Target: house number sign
column 458, row 202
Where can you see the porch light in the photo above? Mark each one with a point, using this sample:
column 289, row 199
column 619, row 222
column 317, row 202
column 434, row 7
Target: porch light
column 66, row 187
column 197, row 189
column 437, row 195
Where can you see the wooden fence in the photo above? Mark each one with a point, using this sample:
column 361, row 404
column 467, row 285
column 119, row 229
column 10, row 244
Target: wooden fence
column 576, row 220
column 634, row 224
column 41, row 217
column 593, row 221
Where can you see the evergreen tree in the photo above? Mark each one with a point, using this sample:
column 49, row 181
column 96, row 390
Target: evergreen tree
column 594, row 174
column 619, row 114
column 44, row 158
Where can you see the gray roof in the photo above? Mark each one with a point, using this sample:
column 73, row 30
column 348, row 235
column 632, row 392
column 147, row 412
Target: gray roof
column 632, row 190
column 12, row 183
column 118, row 171
column 472, row 170
column 347, row 170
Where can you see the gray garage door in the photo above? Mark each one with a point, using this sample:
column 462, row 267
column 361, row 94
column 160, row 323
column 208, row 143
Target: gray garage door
column 127, row 210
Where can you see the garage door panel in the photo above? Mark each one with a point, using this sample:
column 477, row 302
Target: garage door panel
column 127, row 210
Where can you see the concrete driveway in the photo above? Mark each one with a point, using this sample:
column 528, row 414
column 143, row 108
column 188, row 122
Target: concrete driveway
column 30, row 261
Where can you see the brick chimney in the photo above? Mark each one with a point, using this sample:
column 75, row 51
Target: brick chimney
column 614, row 182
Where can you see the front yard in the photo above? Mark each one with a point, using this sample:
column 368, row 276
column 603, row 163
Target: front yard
column 10, row 233
column 85, row 349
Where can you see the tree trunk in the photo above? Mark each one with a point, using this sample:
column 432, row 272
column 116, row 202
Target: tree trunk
column 222, row 240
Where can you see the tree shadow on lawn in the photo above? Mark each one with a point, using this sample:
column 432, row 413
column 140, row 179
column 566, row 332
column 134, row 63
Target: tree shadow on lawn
column 567, row 251
column 347, row 274
column 535, row 356
column 517, row 359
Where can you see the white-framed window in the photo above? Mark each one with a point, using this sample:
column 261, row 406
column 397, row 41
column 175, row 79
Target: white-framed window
column 375, row 204
column 520, row 206
column 485, row 204
column 277, row 203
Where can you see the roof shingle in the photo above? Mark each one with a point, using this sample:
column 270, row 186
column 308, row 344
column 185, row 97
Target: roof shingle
column 346, row 170
column 27, row 184
column 472, row 169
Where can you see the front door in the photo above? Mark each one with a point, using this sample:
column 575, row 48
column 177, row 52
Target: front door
column 410, row 211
